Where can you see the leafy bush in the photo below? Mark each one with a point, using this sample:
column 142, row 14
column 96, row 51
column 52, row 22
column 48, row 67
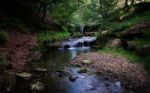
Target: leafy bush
column 3, row 37
column 51, row 36
column 103, row 38
column 146, row 61
column 119, row 26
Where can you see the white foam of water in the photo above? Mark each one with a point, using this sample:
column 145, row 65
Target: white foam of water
column 73, row 42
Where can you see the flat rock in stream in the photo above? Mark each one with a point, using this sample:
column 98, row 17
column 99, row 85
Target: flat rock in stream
column 41, row 69
column 37, row 86
column 86, row 62
column 24, row 75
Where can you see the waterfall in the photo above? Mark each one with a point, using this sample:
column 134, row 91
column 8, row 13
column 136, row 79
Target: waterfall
column 84, row 41
column 82, row 29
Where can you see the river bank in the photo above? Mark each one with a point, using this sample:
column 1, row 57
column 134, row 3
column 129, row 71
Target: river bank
column 132, row 75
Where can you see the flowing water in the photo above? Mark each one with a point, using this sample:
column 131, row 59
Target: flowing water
column 57, row 80
column 82, row 30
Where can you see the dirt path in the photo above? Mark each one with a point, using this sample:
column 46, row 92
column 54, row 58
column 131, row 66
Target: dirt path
column 116, row 68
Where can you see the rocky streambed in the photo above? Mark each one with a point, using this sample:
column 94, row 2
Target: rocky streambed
column 90, row 73
column 132, row 75
column 55, row 74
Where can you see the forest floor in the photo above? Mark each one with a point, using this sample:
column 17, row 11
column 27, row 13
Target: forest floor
column 17, row 49
column 113, row 67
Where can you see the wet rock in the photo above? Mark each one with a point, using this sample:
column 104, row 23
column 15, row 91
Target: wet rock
column 86, row 62
column 66, row 46
column 61, row 73
column 107, row 84
column 82, row 70
column 79, row 44
column 76, row 65
column 118, row 84
column 72, row 78
column 24, row 75
column 38, row 86
column 85, row 43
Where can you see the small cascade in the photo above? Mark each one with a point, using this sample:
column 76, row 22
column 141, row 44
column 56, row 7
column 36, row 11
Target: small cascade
column 82, row 30
column 78, row 42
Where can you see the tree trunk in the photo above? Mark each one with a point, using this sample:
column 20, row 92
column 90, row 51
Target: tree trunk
column 132, row 2
column 126, row 3
column 44, row 11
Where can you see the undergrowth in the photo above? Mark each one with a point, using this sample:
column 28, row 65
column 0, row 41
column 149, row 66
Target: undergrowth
column 51, row 36
column 121, row 52
column 132, row 57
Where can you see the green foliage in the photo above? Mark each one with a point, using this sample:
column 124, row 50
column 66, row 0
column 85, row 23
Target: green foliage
column 13, row 22
column 51, row 36
column 121, row 52
column 76, row 34
column 119, row 26
column 140, row 42
column 103, row 38
column 3, row 37
column 146, row 61
column 63, row 10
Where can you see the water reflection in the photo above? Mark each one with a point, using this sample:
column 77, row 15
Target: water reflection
column 58, row 82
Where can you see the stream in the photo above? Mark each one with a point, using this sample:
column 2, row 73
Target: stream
column 58, row 79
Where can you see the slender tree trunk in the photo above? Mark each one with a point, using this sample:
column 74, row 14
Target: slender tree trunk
column 132, row 2
column 44, row 11
column 126, row 3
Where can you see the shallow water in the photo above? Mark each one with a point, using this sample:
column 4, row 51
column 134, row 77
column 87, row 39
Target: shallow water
column 57, row 81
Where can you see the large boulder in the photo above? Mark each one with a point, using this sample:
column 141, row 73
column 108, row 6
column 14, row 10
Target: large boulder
column 115, row 43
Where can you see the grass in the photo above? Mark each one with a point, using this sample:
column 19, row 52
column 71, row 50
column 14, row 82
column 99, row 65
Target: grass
column 51, row 36
column 121, row 52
